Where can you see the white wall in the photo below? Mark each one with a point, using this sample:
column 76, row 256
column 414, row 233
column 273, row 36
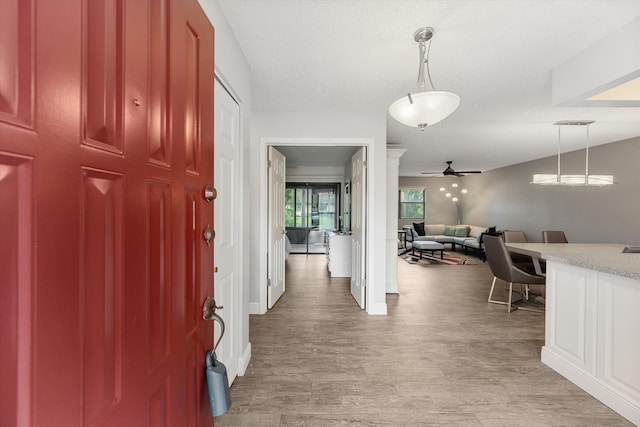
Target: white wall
column 314, row 128
column 316, row 174
column 232, row 69
column 504, row 197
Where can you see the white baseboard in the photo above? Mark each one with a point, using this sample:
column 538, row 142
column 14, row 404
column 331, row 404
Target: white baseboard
column 243, row 362
column 378, row 308
column 232, row 370
column 592, row 385
column 254, row 308
column 392, row 288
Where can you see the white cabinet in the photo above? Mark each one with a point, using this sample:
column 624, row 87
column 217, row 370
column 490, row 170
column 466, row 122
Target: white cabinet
column 591, row 334
column 339, row 255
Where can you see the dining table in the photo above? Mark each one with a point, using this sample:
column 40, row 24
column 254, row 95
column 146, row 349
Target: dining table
column 540, row 251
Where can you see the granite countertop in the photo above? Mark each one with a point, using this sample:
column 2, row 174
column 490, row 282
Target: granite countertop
column 619, row 264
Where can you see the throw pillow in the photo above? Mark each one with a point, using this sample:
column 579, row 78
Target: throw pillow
column 419, row 227
column 449, row 230
column 461, row 231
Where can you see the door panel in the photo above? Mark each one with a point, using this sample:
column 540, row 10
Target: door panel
column 103, row 73
column 277, row 176
column 16, row 74
column 226, row 208
column 16, row 266
column 358, row 198
column 102, row 290
column 159, row 145
column 158, row 298
column 102, row 261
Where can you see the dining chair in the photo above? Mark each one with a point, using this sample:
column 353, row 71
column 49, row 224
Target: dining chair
column 514, row 236
column 503, row 268
column 524, row 262
column 554, row 237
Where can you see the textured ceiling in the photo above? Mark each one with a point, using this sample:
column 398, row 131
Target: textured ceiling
column 497, row 55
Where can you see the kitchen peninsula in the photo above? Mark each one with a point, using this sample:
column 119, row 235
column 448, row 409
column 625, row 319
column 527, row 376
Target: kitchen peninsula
column 592, row 316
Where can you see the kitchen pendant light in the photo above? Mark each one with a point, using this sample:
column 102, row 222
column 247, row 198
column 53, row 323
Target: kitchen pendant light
column 424, row 107
column 573, row 180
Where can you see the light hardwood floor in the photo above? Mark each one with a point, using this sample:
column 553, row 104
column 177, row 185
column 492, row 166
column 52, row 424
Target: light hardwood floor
column 443, row 356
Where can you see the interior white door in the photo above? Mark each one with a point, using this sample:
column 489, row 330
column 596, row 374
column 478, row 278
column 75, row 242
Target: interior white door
column 358, row 211
column 226, row 208
column 275, row 273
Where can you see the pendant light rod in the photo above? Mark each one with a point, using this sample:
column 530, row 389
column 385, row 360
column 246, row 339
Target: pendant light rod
column 422, row 36
column 574, row 180
column 575, row 123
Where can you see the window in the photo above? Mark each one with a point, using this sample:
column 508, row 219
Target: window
column 411, row 203
column 311, row 205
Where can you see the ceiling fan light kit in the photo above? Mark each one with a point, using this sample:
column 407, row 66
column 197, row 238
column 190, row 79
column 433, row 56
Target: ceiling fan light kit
column 585, row 180
column 424, row 107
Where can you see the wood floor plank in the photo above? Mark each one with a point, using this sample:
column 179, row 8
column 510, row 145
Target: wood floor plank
column 442, row 356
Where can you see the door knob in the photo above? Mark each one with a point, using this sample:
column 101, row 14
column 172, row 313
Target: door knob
column 210, row 193
column 208, row 235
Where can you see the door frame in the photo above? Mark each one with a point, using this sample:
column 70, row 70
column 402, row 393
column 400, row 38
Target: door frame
column 265, row 143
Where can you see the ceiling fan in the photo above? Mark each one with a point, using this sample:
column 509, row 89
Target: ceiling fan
column 450, row 171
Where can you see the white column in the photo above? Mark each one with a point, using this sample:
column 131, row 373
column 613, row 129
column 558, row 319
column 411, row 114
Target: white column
column 393, row 163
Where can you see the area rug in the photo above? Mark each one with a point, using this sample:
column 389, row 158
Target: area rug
column 449, row 258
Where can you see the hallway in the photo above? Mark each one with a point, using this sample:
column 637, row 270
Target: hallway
column 443, row 356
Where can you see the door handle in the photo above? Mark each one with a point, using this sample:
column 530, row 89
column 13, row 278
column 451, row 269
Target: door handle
column 209, row 308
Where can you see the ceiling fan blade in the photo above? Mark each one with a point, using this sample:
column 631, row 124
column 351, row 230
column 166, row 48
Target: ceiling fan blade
column 449, row 171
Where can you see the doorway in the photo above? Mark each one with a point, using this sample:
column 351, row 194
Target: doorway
column 311, row 211
column 299, row 154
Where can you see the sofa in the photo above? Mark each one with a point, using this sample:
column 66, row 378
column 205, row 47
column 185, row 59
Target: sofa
column 468, row 237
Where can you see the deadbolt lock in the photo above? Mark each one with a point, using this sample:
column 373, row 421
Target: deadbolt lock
column 208, row 235
column 210, row 193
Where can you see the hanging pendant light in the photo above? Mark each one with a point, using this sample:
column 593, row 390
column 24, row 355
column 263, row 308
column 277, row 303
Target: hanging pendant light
column 424, row 108
column 573, row 180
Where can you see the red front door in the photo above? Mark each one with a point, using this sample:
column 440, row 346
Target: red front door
column 106, row 145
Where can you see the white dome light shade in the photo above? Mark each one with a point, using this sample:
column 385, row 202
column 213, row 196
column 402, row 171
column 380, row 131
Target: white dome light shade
column 424, row 108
